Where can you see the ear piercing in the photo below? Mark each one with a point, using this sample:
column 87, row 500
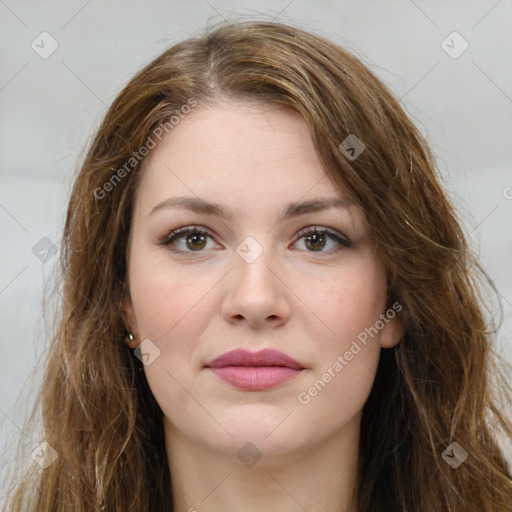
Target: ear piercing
column 131, row 340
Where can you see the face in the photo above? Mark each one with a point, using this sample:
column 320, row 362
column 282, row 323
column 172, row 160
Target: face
column 254, row 272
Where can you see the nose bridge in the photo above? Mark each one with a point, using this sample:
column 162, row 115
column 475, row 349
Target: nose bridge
column 254, row 256
column 256, row 292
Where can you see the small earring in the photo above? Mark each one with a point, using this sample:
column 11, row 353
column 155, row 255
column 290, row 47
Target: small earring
column 130, row 340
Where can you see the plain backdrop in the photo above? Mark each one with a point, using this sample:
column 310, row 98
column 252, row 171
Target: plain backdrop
column 460, row 98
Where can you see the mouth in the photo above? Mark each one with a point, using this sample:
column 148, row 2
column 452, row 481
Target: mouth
column 255, row 371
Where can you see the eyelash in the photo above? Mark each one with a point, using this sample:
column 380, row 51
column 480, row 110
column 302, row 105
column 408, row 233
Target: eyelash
column 171, row 237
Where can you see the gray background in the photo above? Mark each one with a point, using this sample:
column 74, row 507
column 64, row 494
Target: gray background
column 50, row 107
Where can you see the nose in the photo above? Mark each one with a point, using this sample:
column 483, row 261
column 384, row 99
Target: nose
column 257, row 293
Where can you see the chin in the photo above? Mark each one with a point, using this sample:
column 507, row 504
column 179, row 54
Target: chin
column 267, row 433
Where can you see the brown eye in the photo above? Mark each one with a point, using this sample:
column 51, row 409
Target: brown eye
column 186, row 241
column 316, row 241
column 195, row 241
column 318, row 238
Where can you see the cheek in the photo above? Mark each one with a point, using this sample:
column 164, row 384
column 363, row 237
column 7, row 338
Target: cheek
column 163, row 298
column 349, row 307
column 172, row 310
column 347, row 302
column 334, row 397
column 169, row 310
column 347, row 358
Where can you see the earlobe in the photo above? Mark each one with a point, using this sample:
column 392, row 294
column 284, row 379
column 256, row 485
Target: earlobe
column 132, row 341
column 130, row 323
column 392, row 332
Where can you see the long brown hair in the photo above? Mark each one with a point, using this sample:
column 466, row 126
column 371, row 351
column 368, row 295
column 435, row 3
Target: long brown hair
column 431, row 390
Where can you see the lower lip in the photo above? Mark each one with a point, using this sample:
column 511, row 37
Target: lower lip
column 255, row 378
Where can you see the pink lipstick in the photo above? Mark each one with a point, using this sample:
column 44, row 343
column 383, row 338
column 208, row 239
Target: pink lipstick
column 255, row 371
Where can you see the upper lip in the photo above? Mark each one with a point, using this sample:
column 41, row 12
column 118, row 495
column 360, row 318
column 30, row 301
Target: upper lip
column 266, row 357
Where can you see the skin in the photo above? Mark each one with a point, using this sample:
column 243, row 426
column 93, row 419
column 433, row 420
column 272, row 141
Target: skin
column 310, row 304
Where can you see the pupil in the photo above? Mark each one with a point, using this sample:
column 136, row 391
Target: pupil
column 315, row 238
column 195, row 238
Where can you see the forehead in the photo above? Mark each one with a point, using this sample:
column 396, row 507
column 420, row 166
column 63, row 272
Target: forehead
column 250, row 157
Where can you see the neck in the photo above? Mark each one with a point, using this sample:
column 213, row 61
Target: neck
column 313, row 478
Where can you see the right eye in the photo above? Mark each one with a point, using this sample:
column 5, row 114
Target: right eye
column 193, row 237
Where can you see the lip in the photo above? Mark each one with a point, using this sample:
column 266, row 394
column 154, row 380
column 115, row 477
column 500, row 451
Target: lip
column 255, row 371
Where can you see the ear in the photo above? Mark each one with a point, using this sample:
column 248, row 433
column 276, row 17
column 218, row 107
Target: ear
column 392, row 331
column 130, row 321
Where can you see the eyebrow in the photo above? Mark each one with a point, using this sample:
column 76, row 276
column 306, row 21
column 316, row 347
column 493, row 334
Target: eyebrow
column 292, row 210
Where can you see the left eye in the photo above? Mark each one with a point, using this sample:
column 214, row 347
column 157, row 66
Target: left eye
column 195, row 239
column 316, row 238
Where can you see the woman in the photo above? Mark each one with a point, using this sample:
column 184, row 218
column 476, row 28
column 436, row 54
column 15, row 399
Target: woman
column 269, row 303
